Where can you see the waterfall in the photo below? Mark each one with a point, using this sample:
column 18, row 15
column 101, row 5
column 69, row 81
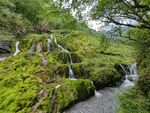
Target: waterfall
column 31, row 50
column 17, row 49
column 2, row 58
column 97, row 94
column 128, row 82
column 132, row 72
column 49, row 42
column 53, row 38
column 125, row 71
column 71, row 74
column 132, row 69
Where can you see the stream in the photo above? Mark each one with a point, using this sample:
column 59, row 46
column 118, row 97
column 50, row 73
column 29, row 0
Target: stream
column 105, row 100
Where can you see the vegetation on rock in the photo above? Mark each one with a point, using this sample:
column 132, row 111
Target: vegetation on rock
column 28, row 85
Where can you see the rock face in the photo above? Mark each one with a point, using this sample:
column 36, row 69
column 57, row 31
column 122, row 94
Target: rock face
column 44, row 62
column 39, row 47
column 5, row 47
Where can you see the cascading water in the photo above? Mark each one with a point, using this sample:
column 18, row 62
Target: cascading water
column 97, row 94
column 128, row 82
column 71, row 74
column 31, row 50
column 49, row 42
column 126, row 72
column 2, row 58
column 132, row 72
column 132, row 69
column 17, row 49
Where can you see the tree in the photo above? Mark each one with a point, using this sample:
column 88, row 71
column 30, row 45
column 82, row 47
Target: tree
column 131, row 13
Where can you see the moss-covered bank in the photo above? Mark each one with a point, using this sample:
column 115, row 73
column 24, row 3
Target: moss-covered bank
column 38, row 81
column 28, row 85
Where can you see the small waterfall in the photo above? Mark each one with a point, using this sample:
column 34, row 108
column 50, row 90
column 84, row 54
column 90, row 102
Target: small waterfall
column 31, row 50
column 132, row 69
column 53, row 38
column 49, row 42
column 125, row 71
column 17, row 49
column 97, row 94
column 132, row 72
column 2, row 58
column 71, row 74
column 128, row 82
column 70, row 58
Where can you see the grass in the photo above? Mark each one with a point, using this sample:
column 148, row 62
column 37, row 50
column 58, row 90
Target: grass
column 133, row 102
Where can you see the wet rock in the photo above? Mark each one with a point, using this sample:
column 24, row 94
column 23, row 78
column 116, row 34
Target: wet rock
column 130, row 78
column 5, row 47
column 44, row 62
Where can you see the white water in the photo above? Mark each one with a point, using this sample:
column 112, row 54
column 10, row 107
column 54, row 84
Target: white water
column 71, row 73
column 127, row 83
column 2, row 58
column 49, row 42
column 57, row 86
column 17, row 49
column 31, row 50
column 132, row 73
column 97, row 94
column 132, row 69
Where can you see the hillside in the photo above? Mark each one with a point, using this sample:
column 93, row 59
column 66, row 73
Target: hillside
column 59, row 61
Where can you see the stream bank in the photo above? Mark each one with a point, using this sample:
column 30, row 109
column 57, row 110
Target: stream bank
column 106, row 100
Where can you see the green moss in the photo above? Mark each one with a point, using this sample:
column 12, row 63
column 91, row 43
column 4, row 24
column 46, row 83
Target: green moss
column 106, row 76
column 73, row 91
column 23, row 77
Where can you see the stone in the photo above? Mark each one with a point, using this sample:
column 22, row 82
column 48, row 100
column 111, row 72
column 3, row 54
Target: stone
column 39, row 47
column 5, row 47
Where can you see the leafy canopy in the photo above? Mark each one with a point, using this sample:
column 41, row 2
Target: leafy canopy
column 132, row 13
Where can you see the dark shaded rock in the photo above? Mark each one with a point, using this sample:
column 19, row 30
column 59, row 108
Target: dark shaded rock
column 5, row 47
column 130, row 78
column 120, row 70
column 44, row 62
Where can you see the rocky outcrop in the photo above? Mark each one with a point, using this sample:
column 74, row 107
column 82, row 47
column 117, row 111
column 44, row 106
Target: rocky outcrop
column 5, row 47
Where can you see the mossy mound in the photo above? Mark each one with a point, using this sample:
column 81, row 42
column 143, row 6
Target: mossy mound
column 27, row 86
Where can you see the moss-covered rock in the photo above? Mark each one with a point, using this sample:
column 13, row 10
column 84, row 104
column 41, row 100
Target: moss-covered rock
column 106, row 76
column 72, row 91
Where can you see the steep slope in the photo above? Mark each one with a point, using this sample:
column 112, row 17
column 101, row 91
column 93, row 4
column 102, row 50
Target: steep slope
column 37, row 78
